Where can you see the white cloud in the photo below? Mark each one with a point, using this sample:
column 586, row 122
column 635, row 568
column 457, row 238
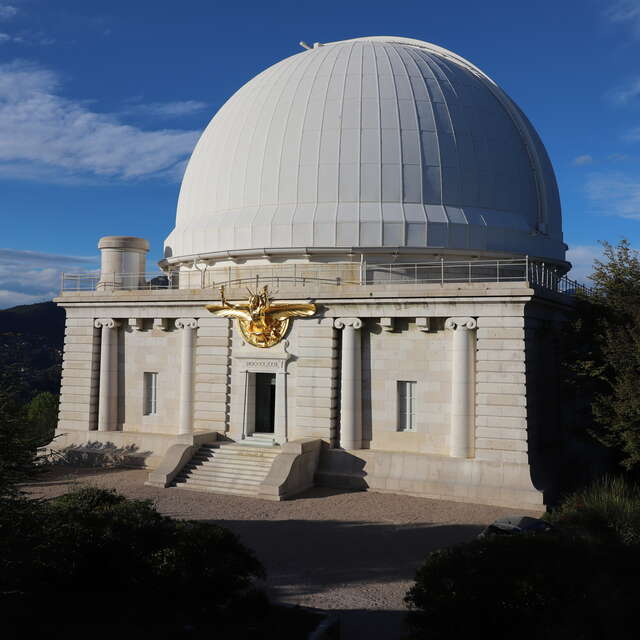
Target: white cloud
column 166, row 109
column 10, row 299
column 579, row 161
column 618, row 157
column 615, row 193
column 45, row 136
column 581, row 258
column 625, row 12
column 633, row 135
column 31, row 276
column 625, row 94
column 7, row 11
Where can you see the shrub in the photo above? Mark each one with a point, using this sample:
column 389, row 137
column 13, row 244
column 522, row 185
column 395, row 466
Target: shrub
column 607, row 511
column 543, row 586
column 94, row 543
column 42, row 416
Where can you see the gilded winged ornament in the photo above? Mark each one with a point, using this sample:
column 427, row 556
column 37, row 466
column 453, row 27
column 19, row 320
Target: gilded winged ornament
column 263, row 323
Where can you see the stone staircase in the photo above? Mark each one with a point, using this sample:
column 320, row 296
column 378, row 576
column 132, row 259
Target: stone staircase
column 236, row 469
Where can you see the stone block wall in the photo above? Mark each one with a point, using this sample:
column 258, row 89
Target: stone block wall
column 315, row 386
column 79, row 389
column 501, row 399
column 212, row 374
column 150, row 349
column 406, row 353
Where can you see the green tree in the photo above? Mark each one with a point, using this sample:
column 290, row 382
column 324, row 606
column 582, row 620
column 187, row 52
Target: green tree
column 18, row 445
column 42, row 416
column 602, row 356
column 616, row 298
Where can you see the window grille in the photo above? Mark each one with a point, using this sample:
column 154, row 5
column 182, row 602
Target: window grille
column 150, row 393
column 406, row 405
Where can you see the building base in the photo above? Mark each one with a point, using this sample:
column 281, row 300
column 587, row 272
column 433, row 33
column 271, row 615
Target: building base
column 431, row 476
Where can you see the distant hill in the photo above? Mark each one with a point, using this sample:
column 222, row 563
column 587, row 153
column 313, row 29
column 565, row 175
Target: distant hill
column 31, row 342
column 43, row 319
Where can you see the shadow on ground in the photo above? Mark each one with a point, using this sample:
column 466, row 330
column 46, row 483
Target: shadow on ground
column 309, row 556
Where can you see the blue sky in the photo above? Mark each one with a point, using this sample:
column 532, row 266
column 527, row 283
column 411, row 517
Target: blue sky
column 101, row 102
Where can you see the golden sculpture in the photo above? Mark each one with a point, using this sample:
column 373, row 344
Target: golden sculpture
column 263, row 323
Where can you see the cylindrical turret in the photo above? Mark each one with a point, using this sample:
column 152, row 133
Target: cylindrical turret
column 123, row 262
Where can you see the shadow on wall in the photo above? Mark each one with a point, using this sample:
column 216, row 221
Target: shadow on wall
column 340, row 469
column 104, row 455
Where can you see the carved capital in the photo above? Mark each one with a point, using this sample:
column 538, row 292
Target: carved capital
column 460, row 323
column 136, row 323
column 186, row 323
column 161, row 323
column 387, row 324
column 106, row 323
column 341, row 323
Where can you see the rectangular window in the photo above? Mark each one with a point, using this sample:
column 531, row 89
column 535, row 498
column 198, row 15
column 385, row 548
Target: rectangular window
column 406, row 405
column 150, row 393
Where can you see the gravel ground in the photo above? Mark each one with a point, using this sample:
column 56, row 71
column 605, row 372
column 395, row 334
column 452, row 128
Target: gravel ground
column 354, row 553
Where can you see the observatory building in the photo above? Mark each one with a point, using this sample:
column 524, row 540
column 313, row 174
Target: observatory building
column 361, row 290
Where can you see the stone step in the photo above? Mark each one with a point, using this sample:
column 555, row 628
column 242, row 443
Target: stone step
column 258, row 471
column 258, row 476
column 220, row 485
column 249, row 493
column 247, row 452
column 229, row 469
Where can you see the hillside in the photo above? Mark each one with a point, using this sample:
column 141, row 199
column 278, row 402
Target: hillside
column 31, row 341
column 43, row 319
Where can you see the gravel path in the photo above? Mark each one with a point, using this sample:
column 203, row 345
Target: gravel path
column 354, row 553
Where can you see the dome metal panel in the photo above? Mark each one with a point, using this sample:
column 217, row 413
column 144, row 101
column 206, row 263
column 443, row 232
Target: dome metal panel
column 373, row 142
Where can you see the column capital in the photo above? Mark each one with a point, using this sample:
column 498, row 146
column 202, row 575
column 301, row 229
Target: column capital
column 107, row 323
column 460, row 323
column 136, row 323
column 341, row 323
column 186, row 323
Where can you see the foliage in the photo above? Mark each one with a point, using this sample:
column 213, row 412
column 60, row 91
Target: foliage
column 42, row 416
column 602, row 354
column 544, row 585
column 93, row 543
column 579, row 581
column 18, row 445
column 608, row 511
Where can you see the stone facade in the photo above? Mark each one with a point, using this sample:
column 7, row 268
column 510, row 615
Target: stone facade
column 474, row 353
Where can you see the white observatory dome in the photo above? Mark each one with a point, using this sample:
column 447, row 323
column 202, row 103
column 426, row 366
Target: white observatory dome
column 377, row 145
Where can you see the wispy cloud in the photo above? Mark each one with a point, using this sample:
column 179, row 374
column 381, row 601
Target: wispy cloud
column 31, row 276
column 633, row 135
column 580, row 161
column 46, row 136
column 166, row 109
column 625, row 12
column 615, row 194
column 618, row 157
column 7, row 11
column 581, row 258
column 624, row 94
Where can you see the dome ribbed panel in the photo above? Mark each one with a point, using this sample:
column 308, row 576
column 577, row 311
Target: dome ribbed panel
column 368, row 143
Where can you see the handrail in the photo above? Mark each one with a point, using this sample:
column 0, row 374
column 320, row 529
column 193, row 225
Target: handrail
column 361, row 273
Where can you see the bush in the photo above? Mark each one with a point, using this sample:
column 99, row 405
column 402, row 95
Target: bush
column 539, row 586
column 42, row 416
column 94, row 543
column 607, row 511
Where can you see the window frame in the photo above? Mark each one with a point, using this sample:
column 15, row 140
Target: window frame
column 150, row 393
column 406, row 405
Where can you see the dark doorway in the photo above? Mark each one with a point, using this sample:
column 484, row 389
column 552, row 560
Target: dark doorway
column 265, row 402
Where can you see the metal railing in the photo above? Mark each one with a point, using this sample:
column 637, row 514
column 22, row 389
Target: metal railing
column 362, row 273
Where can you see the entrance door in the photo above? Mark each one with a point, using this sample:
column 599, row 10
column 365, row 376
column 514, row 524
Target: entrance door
column 265, row 402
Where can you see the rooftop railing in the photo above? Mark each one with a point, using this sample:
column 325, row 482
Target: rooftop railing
column 440, row 272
